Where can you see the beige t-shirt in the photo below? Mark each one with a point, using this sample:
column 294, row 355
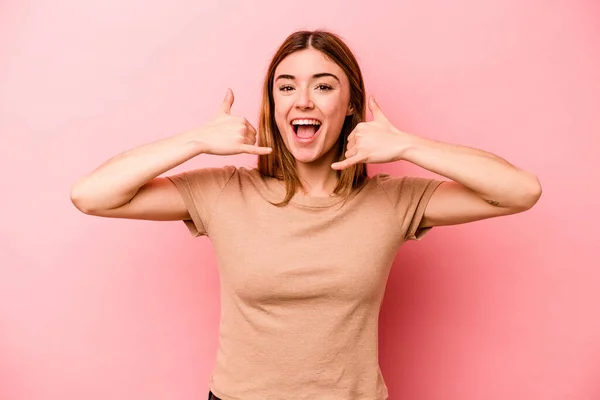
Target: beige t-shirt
column 301, row 285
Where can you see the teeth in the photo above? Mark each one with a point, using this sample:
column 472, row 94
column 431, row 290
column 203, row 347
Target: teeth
column 305, row 122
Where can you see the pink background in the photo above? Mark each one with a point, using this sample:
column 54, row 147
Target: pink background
column 95, row 309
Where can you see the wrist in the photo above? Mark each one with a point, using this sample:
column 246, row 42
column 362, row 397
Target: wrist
column 408, row 145
column 194, row 140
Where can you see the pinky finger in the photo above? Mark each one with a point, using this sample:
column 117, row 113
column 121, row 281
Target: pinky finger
column 250, row 139
column 250, row 128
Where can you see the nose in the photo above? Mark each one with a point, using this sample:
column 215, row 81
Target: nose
column 303, row 101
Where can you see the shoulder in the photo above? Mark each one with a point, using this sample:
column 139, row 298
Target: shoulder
column 203, row 181
column 222, row 176
column 390, row 182
column 218, row 175
column 396, row 187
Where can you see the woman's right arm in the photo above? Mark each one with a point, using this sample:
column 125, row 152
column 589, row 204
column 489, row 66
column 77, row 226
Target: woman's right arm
column 127, row 186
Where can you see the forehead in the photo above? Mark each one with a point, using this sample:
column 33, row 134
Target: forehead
column 305, row 63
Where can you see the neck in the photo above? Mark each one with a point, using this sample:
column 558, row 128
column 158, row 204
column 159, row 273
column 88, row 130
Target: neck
column 318, row 178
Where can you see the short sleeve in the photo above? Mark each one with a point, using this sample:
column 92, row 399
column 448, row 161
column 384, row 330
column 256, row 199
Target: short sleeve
column 200, row 190
column 409, row 197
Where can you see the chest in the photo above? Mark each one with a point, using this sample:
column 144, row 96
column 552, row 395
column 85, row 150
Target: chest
column 292, row 252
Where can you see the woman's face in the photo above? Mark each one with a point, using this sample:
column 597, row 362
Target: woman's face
column 312, row 99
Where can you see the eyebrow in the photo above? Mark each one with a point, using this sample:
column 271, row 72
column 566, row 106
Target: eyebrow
column 315, row 76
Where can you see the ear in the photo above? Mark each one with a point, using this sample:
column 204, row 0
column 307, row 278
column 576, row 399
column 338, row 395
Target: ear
column 350, row 110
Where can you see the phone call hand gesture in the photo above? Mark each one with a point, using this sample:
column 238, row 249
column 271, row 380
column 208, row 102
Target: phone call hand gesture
column 227, row 134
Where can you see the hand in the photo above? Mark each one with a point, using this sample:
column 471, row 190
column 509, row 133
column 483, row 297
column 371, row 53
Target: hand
column 376, row 141
column 227, row 134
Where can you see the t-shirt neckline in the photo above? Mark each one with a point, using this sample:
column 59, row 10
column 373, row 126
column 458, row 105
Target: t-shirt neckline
column 275, row 191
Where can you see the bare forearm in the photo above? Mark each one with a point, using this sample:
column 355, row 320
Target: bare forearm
column 491, row 177
column 116, row 181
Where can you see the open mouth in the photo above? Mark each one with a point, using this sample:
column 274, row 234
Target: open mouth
column 305, row 129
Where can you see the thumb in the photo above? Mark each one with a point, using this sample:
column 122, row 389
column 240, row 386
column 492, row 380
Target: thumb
column 348, row 162
column 227, row 102
column 375, row 110
column 257, row 150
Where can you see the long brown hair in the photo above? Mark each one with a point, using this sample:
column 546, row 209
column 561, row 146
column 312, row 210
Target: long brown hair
column 280, row 162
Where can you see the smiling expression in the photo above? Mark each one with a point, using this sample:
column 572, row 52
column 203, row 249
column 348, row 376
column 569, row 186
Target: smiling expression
column 311, row 94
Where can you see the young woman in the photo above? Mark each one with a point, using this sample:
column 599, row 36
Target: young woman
column 305, row 241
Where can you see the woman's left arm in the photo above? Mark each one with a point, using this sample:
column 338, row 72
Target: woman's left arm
column 482, row 185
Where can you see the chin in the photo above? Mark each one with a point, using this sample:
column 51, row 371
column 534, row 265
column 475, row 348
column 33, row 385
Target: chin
column 313, row 156
column 306, row 156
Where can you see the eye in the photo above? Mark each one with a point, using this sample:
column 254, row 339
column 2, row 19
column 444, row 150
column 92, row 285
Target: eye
column 324, row 87
column 285, row 88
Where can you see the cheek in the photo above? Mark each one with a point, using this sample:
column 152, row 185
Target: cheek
column 278, row 113
column 334, row 106
column 281, row 101
column 281, row 108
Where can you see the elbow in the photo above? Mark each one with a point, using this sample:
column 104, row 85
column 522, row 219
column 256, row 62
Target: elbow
column 85, row 199
column 79, row 200
column 530, row 194
column 534, row 192
column 95, row 201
